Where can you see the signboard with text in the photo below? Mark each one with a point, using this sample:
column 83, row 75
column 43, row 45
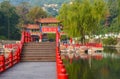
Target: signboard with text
column 49, row 29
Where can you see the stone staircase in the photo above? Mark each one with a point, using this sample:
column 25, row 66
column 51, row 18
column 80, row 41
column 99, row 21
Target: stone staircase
column 35, row 51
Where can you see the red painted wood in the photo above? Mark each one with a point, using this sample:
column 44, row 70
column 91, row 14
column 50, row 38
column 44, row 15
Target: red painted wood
column 49, row 29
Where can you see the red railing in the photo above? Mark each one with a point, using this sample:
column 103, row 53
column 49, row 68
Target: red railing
column 97, row 45
column 60, row 67
column 10, row 46
column 14, row 57
column 27, row 37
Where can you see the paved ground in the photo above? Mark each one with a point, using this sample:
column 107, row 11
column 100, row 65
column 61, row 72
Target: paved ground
column 31, row 70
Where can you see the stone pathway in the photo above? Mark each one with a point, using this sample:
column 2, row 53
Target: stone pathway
column 31, row 70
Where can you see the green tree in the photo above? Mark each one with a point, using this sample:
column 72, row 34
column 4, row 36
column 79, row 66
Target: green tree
column 116, row 21
column 114, row 9
column 8, row 21
column 22, row 10
column 82, row 17
column 36, row 13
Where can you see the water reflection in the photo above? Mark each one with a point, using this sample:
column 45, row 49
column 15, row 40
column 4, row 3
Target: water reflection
column 107, row 68
column 110, row 50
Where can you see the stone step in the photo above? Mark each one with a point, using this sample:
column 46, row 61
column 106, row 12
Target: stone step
column 39, row 44
column 38, row 59
column 43, row 43
column 37, row 48
column 34, row 52
column 37, row 54
column 36, row 43
column 42, row 46
column 45, row 60
column 40, row 52
column 44, row 51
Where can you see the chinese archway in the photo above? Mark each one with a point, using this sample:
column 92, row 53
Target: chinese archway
column 43, row 26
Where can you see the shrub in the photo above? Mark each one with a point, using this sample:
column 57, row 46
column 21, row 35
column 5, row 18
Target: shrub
column 109, row 41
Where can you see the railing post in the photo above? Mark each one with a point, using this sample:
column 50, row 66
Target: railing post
column 23, row 37
column 18, row 54
column 2, row 61
column 63, row 74
column 27, row 37
column 11, row 59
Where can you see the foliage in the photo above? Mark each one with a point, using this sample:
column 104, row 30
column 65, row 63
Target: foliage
column 51, row 36
column 113, row 18
column 41, row 3
column 28, row 13
column 3, row 37
column 114, row 9
column 110, row 50
column 22, row 10
column 80, row 17
column 63, row 37
column 36, row 13
column 109, row 41
column 8, row 21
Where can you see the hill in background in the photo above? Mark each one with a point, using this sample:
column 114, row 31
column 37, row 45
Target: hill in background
column 51, row 6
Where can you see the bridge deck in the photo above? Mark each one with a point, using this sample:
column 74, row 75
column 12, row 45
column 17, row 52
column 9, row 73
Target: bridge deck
column 31, row 70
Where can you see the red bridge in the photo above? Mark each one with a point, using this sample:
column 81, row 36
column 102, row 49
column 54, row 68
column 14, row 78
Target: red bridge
column 51, row 65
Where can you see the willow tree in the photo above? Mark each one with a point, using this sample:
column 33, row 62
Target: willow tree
column 82, row 17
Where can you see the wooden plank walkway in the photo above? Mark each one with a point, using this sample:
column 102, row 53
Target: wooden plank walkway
column 31, row 70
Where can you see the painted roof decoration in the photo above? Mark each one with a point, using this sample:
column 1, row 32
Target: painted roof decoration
column 32, row 26
column 48, row 20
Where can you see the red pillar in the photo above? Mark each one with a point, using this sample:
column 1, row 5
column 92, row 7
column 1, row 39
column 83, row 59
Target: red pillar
column 59, row 36
column 57, row 39
column 25, row 37
column 28, row 37
column 40, row 37
column 70, row 40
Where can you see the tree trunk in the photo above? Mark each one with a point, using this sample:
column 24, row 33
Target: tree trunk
column 83, row 40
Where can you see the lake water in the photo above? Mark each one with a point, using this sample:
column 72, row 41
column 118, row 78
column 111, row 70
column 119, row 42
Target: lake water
column 106, row 68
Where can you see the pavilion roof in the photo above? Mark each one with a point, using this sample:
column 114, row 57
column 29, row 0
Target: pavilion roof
column 32, row 26
column 48, row 20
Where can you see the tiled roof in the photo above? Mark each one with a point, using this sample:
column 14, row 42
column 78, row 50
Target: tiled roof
column 32, row 26
column 48, row 20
